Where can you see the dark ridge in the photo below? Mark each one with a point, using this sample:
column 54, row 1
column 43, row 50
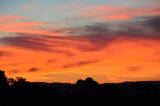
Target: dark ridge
column 20, row 92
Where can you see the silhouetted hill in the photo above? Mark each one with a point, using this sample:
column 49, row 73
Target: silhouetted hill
column 19, row 92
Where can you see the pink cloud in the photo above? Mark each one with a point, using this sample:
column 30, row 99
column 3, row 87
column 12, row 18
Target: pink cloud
column 15, row 24
column 119, row 12
column 5, row 18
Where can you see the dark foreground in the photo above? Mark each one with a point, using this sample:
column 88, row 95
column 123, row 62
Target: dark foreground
column 19, row 92
column 83, row 93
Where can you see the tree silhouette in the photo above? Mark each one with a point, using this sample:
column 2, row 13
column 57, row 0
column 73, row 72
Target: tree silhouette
column 11, row 81
column 80, row 83
column 89, row 82
column 17, row 81
column 20, row 81
column 3, row 80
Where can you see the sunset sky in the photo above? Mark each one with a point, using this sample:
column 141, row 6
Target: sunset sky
column 66, row 40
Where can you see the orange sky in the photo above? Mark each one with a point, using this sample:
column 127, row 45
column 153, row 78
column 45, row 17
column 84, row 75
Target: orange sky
column 123, row 59
column 65, row 40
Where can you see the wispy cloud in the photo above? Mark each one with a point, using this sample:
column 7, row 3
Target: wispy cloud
column 10, row 18
column 33, row 69
column 80, row 63
column 18, row 24
column 4, row 53
column 153, row 23
column 134, row 68
column 107, row 12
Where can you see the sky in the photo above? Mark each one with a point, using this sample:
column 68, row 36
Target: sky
column 66, row 40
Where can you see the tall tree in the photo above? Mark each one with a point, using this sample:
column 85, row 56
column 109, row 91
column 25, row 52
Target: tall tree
column 3, row 80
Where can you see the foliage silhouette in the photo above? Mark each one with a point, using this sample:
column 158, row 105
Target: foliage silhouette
column 11, row 81
column 3, row 80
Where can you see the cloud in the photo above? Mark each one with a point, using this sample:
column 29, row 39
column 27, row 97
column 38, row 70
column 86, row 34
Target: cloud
column 153, row 22
column 134, row 68
column 33, row 69
column 4, row 53
column 140, row 27
column 14, row 71
column 9, row 18
column 18, row 24
column 56, row 44
column 107, row 12
column 79, row 63
column 92, row 37
column 97, row 29
column 33, row 42
column 51, row 60
column 26, row 42
column 87, row 38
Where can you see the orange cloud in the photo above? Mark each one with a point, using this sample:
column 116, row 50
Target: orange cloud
column 118, row 17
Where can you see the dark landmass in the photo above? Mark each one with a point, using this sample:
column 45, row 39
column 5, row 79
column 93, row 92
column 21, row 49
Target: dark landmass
column 19, row 92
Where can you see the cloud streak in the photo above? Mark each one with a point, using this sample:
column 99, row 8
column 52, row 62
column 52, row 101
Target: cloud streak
column 18, row 24
column 107, row 12
column 33, row 69
column 79, row 63
column 4, row 53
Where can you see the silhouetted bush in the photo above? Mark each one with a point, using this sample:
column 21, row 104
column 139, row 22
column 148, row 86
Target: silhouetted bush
column 80, row 83
column 89, row 82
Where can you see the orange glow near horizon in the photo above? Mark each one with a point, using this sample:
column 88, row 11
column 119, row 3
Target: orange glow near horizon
column 124, row 59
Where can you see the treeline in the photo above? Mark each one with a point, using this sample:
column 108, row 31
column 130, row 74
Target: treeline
column 20, row 92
